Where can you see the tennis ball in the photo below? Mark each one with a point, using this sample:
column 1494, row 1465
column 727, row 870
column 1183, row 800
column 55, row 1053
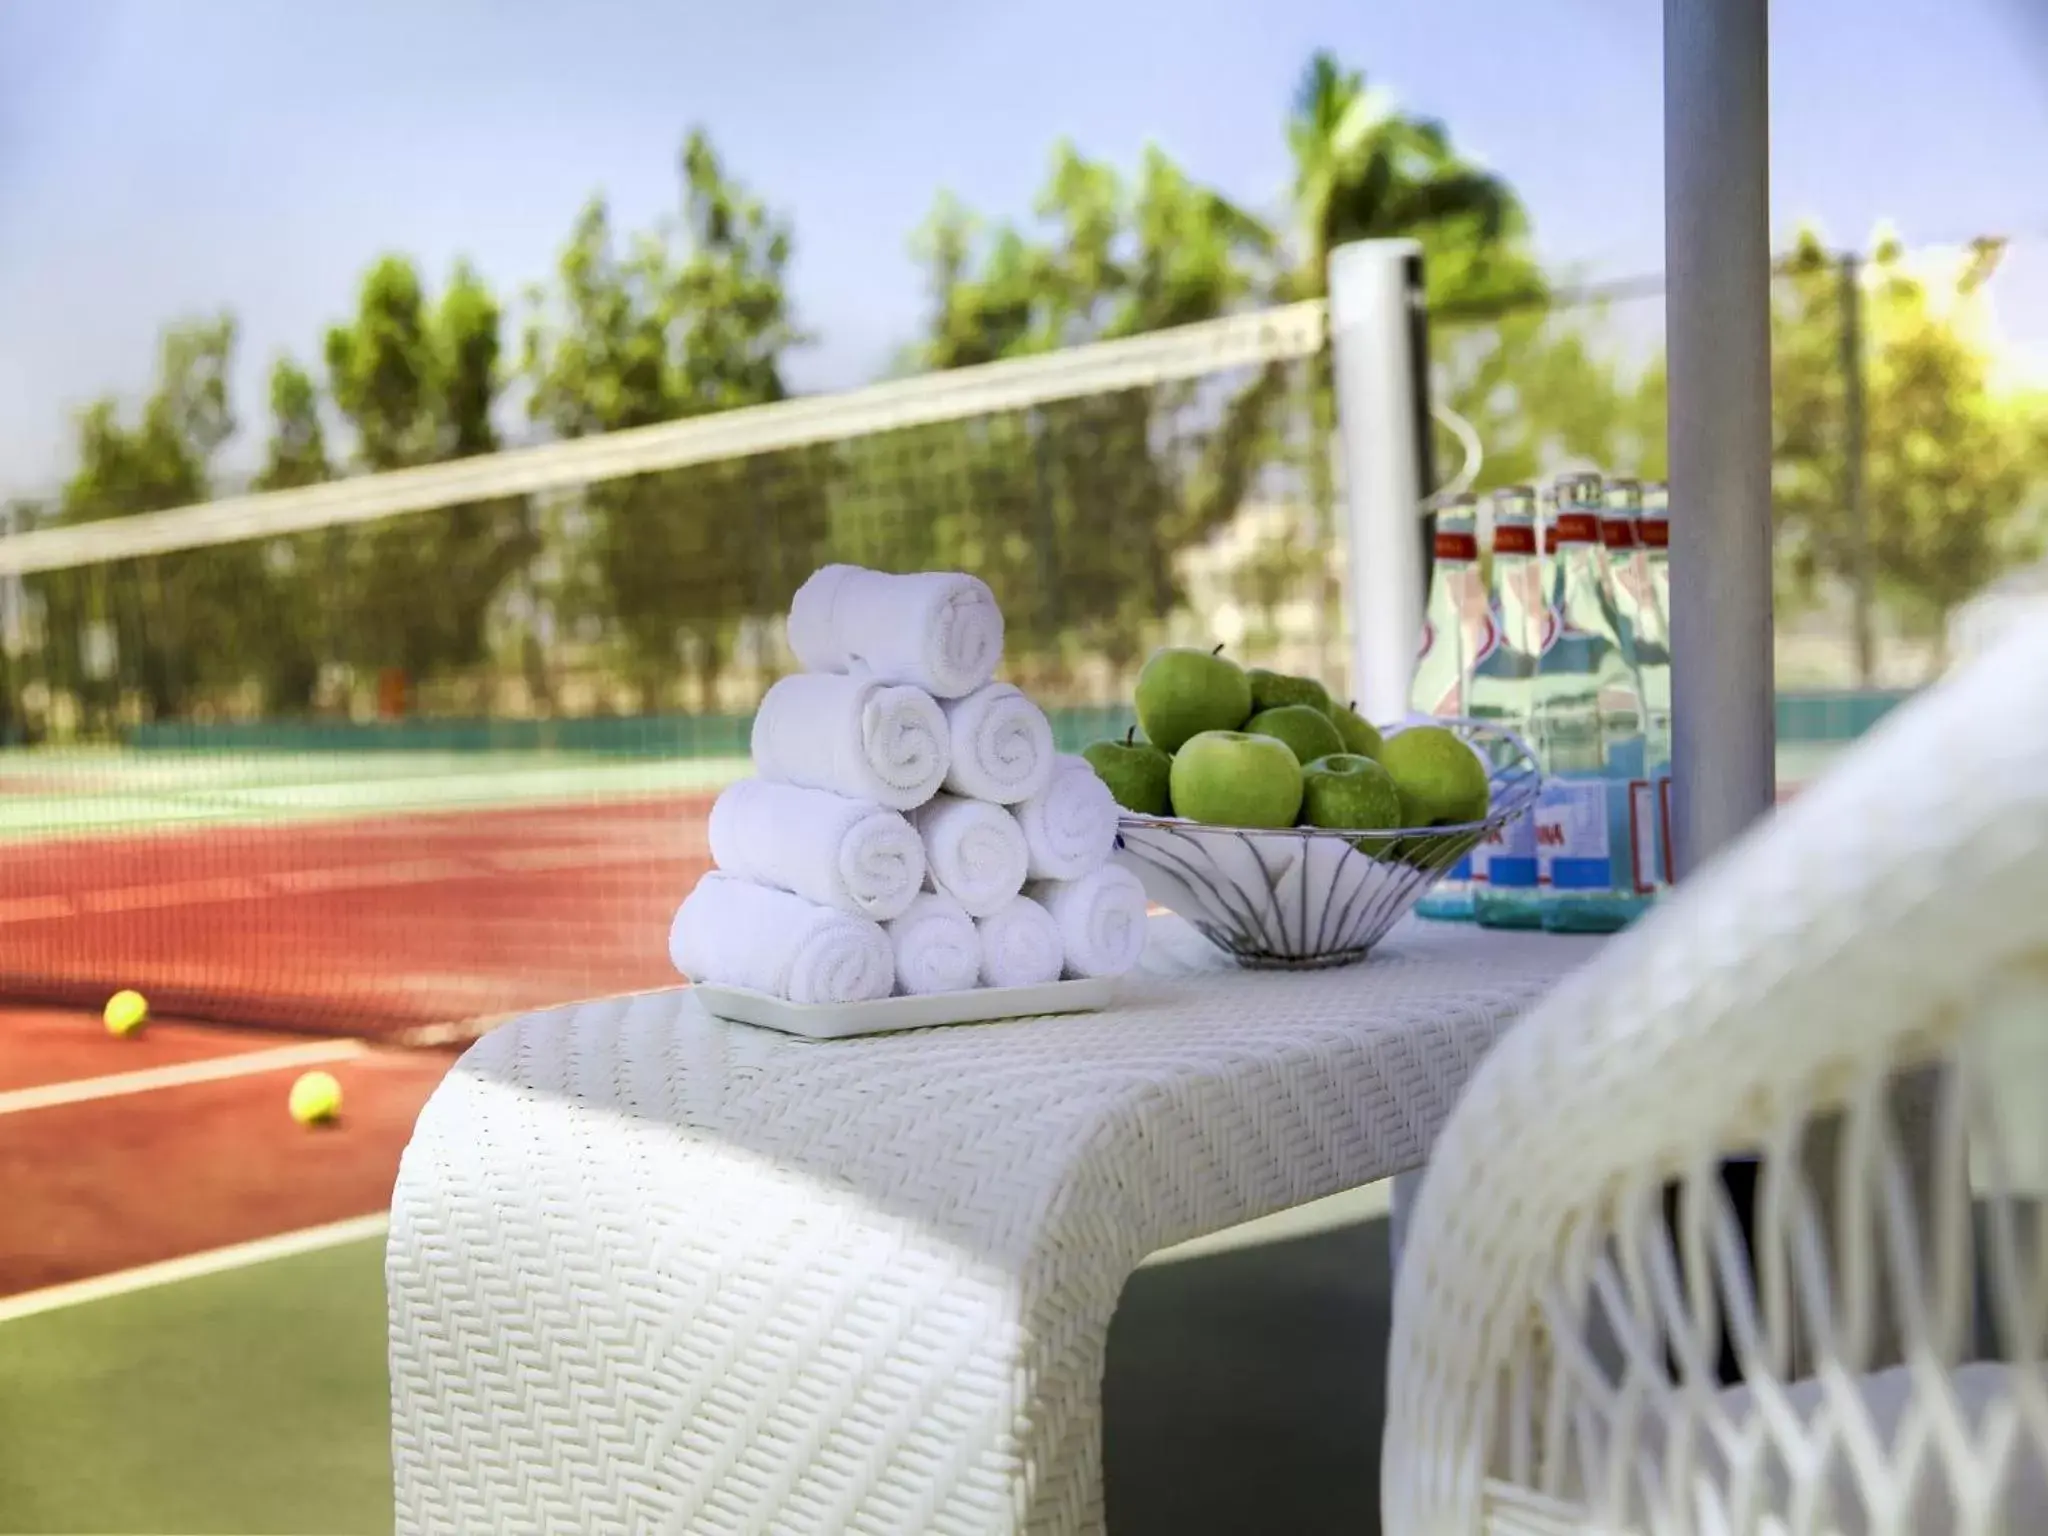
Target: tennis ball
column 126, row 1012
column 316, row 1098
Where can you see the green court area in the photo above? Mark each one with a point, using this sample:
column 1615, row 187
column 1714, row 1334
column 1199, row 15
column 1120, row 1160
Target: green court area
column 250, row 1401
column 49, row 794
column 72, row 793
column 1243, row 1393
column 180, row 774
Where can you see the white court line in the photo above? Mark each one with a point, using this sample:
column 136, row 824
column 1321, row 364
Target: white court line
column 213, row 1069
column 352, row 877
column 35, row 909
column 213, row 1262
column 519, row 860
column 175, row 893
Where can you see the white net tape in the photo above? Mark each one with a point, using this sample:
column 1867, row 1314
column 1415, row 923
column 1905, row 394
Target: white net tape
column 1184, row 353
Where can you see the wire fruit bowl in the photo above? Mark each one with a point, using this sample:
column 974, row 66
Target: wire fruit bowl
column 1298, row 898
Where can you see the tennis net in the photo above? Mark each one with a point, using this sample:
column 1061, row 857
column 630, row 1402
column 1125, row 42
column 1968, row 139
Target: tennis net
column 396, row 755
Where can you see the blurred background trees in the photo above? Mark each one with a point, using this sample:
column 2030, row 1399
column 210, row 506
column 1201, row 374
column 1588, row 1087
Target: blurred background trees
column 679, row 321
column 172, row 627
column 1084, row 514
column 1950, row 473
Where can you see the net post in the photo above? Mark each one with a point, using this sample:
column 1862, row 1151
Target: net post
column 1379, row 357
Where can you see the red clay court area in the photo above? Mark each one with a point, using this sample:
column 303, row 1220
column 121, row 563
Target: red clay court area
column 381, row 927
column 120, row 1153
column 116, row 1153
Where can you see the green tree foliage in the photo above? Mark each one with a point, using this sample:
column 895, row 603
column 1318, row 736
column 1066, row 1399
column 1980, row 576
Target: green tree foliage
column 20, row 629
column 1076, row 507
column 1524, row 370
column 1365, row 170
column 681, row 322
column 1951, row 471
column 296, row 454
column 416, row 383
column 172, row 627
column 304, row 574
column 1079, row 512
column 1125, row 485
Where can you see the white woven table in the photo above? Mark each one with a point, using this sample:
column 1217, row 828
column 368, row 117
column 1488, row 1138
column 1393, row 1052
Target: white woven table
column 653, row 1272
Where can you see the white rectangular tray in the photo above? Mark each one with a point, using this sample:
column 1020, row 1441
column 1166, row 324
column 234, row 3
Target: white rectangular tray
column 830, row 1021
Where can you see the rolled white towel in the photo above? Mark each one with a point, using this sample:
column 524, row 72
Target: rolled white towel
column 937, row 949
column 1101, row 918
column 1020, row 946
column 936, row 630
column 1001, row 745
column 973, row 851
column 856, row 736
column 734, row 933
column 1070, row 825
column 850, row 854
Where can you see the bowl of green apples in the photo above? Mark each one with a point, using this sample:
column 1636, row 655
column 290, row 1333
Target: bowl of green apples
column 1285, row 828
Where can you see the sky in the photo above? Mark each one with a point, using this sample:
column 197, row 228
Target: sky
column 161, row 158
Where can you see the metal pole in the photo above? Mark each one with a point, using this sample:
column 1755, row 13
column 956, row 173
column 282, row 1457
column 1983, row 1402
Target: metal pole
column 1379, row 365
column 1717, row 318
column 1852, row 466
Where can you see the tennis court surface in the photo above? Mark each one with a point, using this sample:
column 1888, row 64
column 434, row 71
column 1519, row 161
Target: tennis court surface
column 243, row 1389
column 402, row 896
column 191, row 1289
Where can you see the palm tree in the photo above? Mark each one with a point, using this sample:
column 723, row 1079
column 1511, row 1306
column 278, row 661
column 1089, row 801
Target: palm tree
column 1119, row 259
column 1365, row 170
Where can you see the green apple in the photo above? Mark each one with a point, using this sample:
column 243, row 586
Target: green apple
column 1182, row 693
column 1351, row 792
column 1136, row 772
column 1306, row 730
column 1272, row 689
column 1236, row 779
column 1442, row 781
column 1360, row 735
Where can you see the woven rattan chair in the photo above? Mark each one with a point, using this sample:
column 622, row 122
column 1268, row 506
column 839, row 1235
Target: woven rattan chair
column 1856, row 997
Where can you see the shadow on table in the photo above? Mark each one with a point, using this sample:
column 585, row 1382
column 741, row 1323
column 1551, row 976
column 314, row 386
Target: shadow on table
column 1246, row 1388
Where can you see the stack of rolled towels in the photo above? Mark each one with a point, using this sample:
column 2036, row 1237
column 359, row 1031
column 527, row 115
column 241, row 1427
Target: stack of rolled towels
column 909, row 828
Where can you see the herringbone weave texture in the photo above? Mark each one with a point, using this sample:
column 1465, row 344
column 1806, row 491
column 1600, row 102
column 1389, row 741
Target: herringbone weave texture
column 652, row 1272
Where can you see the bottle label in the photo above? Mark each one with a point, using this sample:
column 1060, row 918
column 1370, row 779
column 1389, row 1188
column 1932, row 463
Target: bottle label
column 1572, row 528
column 1514, row 539
column 1556, row 628
column 1488, row 640
column 1605, row 834
column 1573, row 848
column 1457, row 546
column 1633, row 577
column 1656, row 533
column 1506, row 857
